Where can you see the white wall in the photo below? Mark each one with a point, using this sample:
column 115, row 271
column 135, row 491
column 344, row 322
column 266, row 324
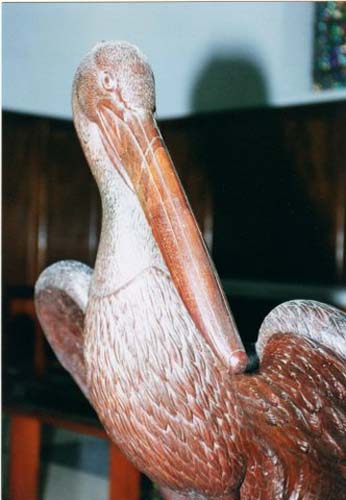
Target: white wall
column 204, row 55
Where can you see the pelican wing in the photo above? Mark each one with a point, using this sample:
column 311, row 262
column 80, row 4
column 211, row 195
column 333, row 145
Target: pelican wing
column 302, row 379
column 61, row 297
column 318, row 322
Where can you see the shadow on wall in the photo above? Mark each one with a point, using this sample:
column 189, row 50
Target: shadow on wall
column 229, row 82
column 225, row 144
column 264, row 228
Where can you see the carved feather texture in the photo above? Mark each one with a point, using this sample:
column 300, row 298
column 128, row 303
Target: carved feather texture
column 159, row 389
column 61, row 296
column 310, row 319
column 296, row 411
column 176, row 413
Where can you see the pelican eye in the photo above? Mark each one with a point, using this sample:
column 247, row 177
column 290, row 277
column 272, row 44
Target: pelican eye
column 108, row 81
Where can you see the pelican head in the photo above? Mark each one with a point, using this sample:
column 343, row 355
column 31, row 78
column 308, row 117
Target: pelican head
column 116, row 76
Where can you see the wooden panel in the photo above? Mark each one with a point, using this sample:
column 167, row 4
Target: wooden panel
column 267, row 184
column 23, row 150
column 266, row 224
column 72, row 207
column 318, row 152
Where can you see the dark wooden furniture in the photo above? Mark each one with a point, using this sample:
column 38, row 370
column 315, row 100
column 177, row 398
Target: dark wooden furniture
column 25, row 441
column 43, row 396
column 248, row 174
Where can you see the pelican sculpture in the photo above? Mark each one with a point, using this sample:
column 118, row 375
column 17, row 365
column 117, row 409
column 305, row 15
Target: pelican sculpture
column 149, row 337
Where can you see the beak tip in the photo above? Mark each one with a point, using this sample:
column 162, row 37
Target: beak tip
column 238, row 362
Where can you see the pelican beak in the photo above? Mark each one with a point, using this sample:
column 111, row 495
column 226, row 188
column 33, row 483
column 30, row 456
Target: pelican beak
column 134, row 145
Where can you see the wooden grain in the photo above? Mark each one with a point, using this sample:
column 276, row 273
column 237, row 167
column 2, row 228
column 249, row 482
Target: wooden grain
column 318, row 149
column 23, row 147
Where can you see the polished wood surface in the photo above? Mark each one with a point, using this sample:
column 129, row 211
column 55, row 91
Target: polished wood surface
column 23, row 155
column 276, row 172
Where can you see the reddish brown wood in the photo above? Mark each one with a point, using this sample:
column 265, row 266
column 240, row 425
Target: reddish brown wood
column 24, row 457
column 63, row 320
column 124, row 479
column 46, row 417
column 23, row 147
column 319, row 150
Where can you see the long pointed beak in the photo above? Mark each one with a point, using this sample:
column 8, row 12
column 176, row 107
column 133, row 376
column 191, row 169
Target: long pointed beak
column 136, row 148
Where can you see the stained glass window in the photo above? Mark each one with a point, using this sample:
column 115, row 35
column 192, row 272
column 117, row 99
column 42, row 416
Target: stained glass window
column 330, row 45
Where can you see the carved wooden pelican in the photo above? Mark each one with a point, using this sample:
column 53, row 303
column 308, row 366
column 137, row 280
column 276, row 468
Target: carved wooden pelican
column 149, row 337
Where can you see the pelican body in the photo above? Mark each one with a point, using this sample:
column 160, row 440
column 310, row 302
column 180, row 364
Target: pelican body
column 150, row 339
